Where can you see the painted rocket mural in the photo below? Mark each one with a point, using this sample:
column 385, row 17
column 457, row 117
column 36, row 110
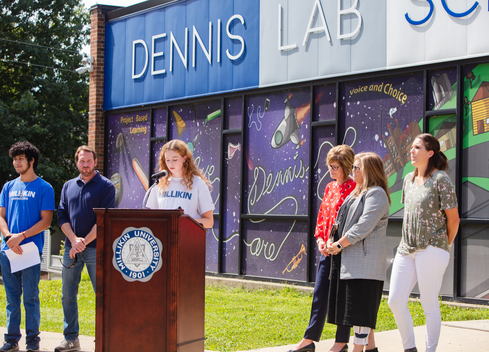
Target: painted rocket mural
column 288, row 128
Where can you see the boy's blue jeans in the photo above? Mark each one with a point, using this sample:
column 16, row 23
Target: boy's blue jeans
column 26, row 280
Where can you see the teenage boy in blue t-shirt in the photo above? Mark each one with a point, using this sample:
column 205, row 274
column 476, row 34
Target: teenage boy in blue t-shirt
column 26, row 209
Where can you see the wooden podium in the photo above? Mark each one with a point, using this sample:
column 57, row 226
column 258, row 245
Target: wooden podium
column 149, row 301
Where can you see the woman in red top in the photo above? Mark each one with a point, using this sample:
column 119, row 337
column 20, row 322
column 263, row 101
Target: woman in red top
column 339, row 160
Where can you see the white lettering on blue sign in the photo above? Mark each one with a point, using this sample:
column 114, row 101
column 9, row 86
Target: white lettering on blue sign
column 154, row 54
column 235, row 37
column 207, row 53
column 173, row 42
column 182, row 50
column 134, row 43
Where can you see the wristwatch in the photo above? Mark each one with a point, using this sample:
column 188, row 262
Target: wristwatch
column 340, row 247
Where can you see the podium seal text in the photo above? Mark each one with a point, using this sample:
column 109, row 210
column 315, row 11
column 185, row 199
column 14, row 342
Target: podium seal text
column 137, row 254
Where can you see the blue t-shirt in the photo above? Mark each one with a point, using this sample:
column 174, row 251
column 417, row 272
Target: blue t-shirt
column 78, row 200
column 23, row 203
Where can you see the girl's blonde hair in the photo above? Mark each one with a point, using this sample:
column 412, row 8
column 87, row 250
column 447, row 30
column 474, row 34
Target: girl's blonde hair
column 373, row 173
column 190, row 169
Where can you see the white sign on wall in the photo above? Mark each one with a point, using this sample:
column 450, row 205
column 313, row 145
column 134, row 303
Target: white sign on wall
column 308, row 39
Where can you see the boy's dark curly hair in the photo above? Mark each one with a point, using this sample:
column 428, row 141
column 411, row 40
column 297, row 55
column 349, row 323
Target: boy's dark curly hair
column 27, row 149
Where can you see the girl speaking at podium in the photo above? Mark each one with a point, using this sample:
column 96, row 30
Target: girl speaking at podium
column 184, row 186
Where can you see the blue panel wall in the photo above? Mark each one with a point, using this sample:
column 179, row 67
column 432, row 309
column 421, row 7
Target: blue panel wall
column 222, row 74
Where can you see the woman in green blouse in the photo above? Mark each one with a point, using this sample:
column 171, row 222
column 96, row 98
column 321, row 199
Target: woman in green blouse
column 429, row 227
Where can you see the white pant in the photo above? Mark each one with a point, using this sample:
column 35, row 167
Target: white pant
column 426, row 266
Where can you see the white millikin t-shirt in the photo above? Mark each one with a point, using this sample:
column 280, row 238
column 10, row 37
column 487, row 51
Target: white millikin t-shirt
column 194, row 202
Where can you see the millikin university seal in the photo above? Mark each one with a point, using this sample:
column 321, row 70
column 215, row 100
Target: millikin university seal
column 137, row 254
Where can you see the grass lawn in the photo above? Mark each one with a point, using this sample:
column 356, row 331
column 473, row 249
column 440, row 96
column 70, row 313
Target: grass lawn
column 236, row 319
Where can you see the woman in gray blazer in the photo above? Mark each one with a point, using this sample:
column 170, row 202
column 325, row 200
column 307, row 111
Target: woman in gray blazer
column 359, row 252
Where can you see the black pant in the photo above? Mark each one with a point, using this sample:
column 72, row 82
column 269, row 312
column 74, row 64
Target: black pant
column 319, row 307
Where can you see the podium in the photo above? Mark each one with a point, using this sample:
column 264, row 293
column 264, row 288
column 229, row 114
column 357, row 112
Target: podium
column 150, row 289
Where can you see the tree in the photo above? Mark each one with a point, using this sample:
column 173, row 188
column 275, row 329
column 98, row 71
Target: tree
column 42, row 99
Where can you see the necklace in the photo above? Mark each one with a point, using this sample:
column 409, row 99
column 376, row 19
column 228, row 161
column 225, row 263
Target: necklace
column 21, row 193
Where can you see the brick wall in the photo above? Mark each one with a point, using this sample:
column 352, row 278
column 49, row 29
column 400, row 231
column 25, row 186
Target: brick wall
column 96, row 115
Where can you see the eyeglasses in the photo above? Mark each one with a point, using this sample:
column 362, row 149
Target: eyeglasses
column 355, row 168
column 72, row 265
column 74, row 261
column 334, row 167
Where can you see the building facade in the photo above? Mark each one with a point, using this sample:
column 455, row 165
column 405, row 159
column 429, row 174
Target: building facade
column 260, row 90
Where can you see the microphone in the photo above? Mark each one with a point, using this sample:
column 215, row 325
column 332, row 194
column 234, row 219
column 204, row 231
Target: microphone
column 159, row 174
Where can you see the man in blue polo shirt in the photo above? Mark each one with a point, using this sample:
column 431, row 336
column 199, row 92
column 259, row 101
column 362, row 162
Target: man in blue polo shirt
column 79, row 223
column 26, row 210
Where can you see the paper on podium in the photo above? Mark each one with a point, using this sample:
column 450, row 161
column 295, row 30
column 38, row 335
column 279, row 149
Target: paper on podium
column 28, row 258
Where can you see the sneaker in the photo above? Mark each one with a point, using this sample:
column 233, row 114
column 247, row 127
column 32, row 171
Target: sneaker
column 32, row 349
column 68, row 346
column 9, row 346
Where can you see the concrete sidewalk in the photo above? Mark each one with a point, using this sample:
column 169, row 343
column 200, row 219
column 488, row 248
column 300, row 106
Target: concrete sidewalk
column 461, row 336
column 455, row 337
column 50, row 340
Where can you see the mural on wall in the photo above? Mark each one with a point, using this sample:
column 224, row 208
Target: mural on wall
column 231, row 198
column 444, row 128
column 442, row 90
column 475, row 173
column 383, row 116
column 232, row 186
column 277, row 160
column 128, row 157
column 475, row 181
column 199, row 125
column 323, row 140
column 443, row 96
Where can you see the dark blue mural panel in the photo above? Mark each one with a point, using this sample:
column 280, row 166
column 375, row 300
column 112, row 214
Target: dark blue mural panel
column 384, row 115
column 276, row 181
column 128, row 157
column 325, row 102
column 199, row 125
column 277, row 154
column 211, row 248
column 159, row 124
column 156, row 155
column 275, row 249
column 233, row 108
column 324, row 140
column 231, row 198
